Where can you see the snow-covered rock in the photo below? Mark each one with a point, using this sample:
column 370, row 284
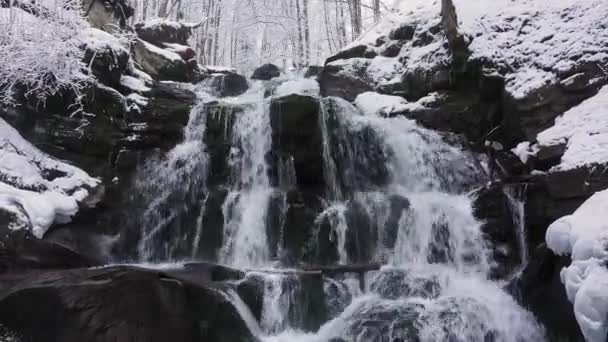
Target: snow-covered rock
column 302, row 86
column 161, row 31
column 582, row 132
column 159, row 63
column 38, row 187
column 584, row 236
column 106, row 55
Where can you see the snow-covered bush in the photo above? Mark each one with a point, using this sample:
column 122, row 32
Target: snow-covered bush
column 40, row 54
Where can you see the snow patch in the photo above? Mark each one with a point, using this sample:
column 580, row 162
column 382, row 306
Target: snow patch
column 372, row 103
column 134, row 84
column 584, row 130
column 304, row 86
column 46, row 189
column 584, row 236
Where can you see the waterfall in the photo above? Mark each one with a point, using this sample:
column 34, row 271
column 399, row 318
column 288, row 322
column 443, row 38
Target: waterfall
column 246, row 206
column 393, row 194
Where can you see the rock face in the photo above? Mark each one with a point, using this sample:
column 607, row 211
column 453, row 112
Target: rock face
column 297, row 137
column 540, row 284
column 150, row 305
column 266, row 72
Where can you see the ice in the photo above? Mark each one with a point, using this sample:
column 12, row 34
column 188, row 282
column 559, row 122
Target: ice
column 584, row 236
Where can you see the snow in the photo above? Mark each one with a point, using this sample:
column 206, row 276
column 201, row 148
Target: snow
column 535, row 40
column 172, row 56
column 134, row 84
column 372, row 103
column 25, row 182
column 215, row 69
column 96, row 40
column 584, row 236
column 584, row 130
column 158, row 23
column 304, row 86
column 522, row 151
column 532, row 42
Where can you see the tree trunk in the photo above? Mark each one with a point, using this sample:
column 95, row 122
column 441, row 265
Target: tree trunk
column 306, row 32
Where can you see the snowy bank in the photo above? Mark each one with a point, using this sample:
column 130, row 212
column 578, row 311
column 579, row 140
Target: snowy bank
column 36, row 185
column 584, row 236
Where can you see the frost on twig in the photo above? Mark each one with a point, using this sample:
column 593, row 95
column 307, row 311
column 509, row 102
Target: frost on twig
column 41, row 55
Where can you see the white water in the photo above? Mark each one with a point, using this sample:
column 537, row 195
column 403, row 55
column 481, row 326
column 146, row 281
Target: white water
column 246, row 207
column 434, row 177
column 433, row 286
column 178, row 175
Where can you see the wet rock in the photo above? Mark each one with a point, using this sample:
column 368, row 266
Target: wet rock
column 212, row 235
column 218, row 140
column 229, row 84
column 163, row 31
column 266, row 72
column 359, row 155
column 159, row 63
column 358, row 51
column 299, row 229
column 440, row 251
column 296, row 134
column 361, row 236
column 118, row 304
column 539, row 284
column 493, row 207
column 399, row 206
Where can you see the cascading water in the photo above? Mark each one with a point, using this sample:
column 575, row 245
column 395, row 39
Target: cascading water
column 246, row 206
column 394, row 194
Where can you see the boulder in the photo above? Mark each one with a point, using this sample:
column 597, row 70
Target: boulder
column 161, row 64
column 159, row 32
column 121, row 304
column 20, row 249
column 345, row 80
column 297, row 136
column 106, row 56
column 313, row 71
column 266, row 72
column 110, row 15
column 357, row 51
column 228, row 84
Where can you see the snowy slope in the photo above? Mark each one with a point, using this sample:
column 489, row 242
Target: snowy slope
column 35, row 185
column 584, row 236
column 532, row 42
